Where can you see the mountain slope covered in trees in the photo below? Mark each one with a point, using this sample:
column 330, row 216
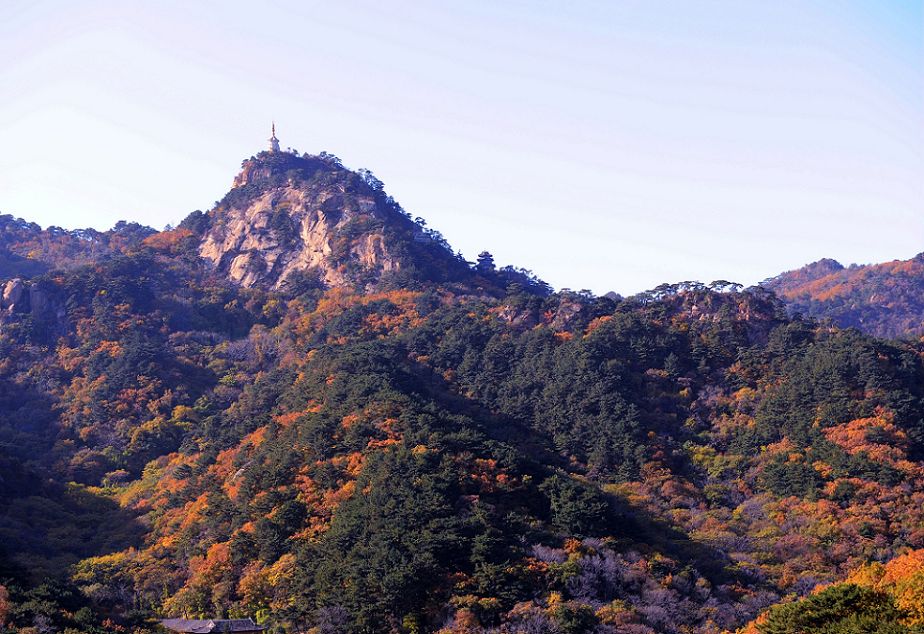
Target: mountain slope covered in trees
column 885, row 300
column 406, row 442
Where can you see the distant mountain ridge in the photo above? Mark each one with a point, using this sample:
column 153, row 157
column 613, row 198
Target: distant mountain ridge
column 885, row 300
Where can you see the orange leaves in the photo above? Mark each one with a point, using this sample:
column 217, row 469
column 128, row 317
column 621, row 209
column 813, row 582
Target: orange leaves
column 217, row 558
column 380, row 444
column 285, row 420
column 333, row 499
column 112, row 348
column 903, row 578
column 488, row 476
column 223, row 466
column 323, row 504
column 209, row 586
column 259, row 586
column 877, row 437
column 349, row 420
column 351, row 463
column 192, row 511
column 255, row 438
column 170, row 241
column 903, row 568
column 596, row 323
column 783, row 446
column 380, row 323
column 232, row 487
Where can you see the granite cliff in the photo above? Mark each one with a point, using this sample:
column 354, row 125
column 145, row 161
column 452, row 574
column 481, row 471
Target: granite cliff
column 288, row 217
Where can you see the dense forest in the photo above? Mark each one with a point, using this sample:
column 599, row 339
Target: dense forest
column 190, row 427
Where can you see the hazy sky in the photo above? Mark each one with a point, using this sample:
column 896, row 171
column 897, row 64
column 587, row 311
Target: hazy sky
column 604, row 145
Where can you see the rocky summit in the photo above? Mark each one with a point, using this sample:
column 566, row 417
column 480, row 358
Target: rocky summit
column 290, row 216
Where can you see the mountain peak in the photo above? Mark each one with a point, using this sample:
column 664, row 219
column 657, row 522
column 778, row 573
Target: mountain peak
column 291, row 216
column 273, row 167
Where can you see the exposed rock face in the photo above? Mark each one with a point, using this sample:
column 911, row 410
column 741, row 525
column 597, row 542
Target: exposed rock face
column 22, row 298
column 287, row 214
column 39, row 302
column 13, row 293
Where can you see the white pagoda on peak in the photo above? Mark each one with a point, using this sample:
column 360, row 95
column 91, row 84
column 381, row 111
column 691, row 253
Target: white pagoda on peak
column 273, row 141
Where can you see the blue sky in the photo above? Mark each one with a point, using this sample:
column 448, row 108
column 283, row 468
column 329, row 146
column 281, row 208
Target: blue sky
column 604, row 145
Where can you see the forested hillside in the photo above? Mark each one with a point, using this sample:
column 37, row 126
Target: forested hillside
column 386, row 438
column 885, row 300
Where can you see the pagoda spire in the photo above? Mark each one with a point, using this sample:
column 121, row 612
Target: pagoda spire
column 273, row 141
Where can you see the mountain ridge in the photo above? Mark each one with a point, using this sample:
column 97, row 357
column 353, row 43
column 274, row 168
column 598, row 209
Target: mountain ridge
column 306, row 220
column 333, row 445
column 885, row 299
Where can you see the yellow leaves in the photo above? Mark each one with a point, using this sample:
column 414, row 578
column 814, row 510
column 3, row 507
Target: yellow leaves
column 183, row 412
column 254, row 587
column 869, row 575
column 712, row 461
column 745, row 397
column 259, row 586
column 5, row 605
column 902, row 578
column 93, row 569
column 555, row 599
column 283, row 570
column 616, row 613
